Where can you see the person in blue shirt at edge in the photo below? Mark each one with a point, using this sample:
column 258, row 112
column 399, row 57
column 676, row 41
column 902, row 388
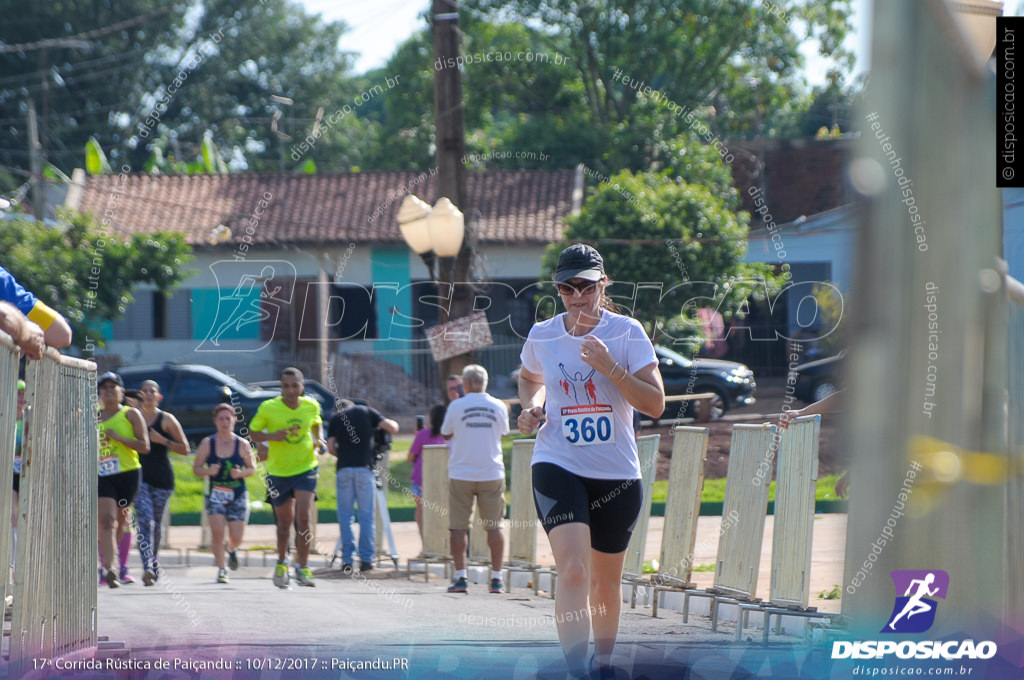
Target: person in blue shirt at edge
column 55, row 329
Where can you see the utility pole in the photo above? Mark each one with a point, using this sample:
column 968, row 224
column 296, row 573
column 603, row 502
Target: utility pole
column 35, row 162
column 451, row 172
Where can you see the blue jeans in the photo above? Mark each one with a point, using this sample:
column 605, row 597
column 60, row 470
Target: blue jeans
column 355, row 486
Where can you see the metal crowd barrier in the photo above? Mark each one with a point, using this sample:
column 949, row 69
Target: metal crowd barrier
column 55, row 579
column 8, row 416
column 436, row 539
column 746, row 498
column 647, row 452
column 522, row 532
column 682, row 510
column 793, row 533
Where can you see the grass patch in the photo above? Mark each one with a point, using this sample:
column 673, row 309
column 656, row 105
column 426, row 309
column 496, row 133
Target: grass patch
column 714, row 490
column 833, row 594
column 188, row 492
column 704, row 567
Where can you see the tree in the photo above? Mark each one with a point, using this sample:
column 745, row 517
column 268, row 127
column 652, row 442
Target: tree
column 679, row 240
column 248, row 52
column 647, row 69
column 78, row 87
column 87, row 274
column 151, row 90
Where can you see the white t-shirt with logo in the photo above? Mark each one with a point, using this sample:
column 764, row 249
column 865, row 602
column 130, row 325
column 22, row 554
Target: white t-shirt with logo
column 589, row 424
column 476, row 422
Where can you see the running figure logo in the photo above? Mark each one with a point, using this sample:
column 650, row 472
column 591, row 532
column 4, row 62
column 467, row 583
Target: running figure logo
column 248, row 296
column 577, row 381
column 914, row 611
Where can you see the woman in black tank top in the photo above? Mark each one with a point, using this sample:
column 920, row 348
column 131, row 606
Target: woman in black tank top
column 227, row 460
column 165, row 434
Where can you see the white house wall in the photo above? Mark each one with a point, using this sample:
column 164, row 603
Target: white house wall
column 215, row 278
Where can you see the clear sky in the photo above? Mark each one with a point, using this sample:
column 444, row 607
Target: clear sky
column 376, row 29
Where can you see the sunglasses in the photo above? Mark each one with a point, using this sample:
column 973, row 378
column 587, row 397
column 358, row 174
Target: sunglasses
column 581, row 289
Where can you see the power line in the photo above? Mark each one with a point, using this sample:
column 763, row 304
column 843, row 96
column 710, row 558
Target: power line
column 33, row 76
column 70, row 41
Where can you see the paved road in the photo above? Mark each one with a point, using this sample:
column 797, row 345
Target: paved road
column 257, row 630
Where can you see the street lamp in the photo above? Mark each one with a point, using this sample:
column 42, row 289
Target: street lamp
column 432, row 232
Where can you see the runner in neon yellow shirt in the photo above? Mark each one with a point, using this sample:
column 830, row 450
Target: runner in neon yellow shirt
column 123, row 437
column 292, row 426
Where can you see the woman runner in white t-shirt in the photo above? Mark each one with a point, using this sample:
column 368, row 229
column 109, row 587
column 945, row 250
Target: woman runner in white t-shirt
column 583, row 373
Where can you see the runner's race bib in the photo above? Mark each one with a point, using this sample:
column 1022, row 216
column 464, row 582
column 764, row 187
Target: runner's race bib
column 222, row 494
column 588, row 424
column 110, row 465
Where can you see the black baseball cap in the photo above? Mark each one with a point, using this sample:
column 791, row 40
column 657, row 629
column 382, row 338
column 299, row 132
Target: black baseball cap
column 109, row 375
column 579, row 261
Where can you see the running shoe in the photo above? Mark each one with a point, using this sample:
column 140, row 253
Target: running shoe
column 222, row 575
column 149, row 577
column 497, row 585
column 305, row 577
column 125, row 577
column 346, row 568
column 366, row 566
column 281, row 575
column 232, row 560
column 111, row 579
column 459, row 585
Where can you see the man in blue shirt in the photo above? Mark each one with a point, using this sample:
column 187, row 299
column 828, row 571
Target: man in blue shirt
column 55, row 329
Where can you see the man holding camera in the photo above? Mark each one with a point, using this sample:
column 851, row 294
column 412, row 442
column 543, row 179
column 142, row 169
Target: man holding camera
column 350, row 437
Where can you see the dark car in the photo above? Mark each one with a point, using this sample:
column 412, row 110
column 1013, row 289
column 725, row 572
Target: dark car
column 328, row 400
column 192, row 390
column 815, row 380
column 731, row 382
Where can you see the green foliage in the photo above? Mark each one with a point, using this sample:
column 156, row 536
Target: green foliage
column 671, row 248
column 716, row 69
column 704, row 567
column 736, row 62
column 95, row 160
column 85, row 274
column 212, row 162
column 79, row 92
column 833, row 594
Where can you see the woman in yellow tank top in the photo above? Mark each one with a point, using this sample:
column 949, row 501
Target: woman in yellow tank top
column 123, row 437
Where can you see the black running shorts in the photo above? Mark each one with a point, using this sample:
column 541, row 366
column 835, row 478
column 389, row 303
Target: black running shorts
column 610, row 507
column 122, row 487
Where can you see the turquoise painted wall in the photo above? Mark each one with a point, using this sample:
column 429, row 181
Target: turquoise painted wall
column 240, row 315
column 390, row 271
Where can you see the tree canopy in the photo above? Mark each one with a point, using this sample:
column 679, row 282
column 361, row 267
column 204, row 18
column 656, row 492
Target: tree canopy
column 609, row 83
column 87, row 274
column 670, row 248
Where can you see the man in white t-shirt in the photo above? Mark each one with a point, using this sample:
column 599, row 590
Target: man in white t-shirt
column 475, row 424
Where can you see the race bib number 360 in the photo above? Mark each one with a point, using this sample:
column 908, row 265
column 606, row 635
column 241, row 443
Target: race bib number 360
column 588, row 424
